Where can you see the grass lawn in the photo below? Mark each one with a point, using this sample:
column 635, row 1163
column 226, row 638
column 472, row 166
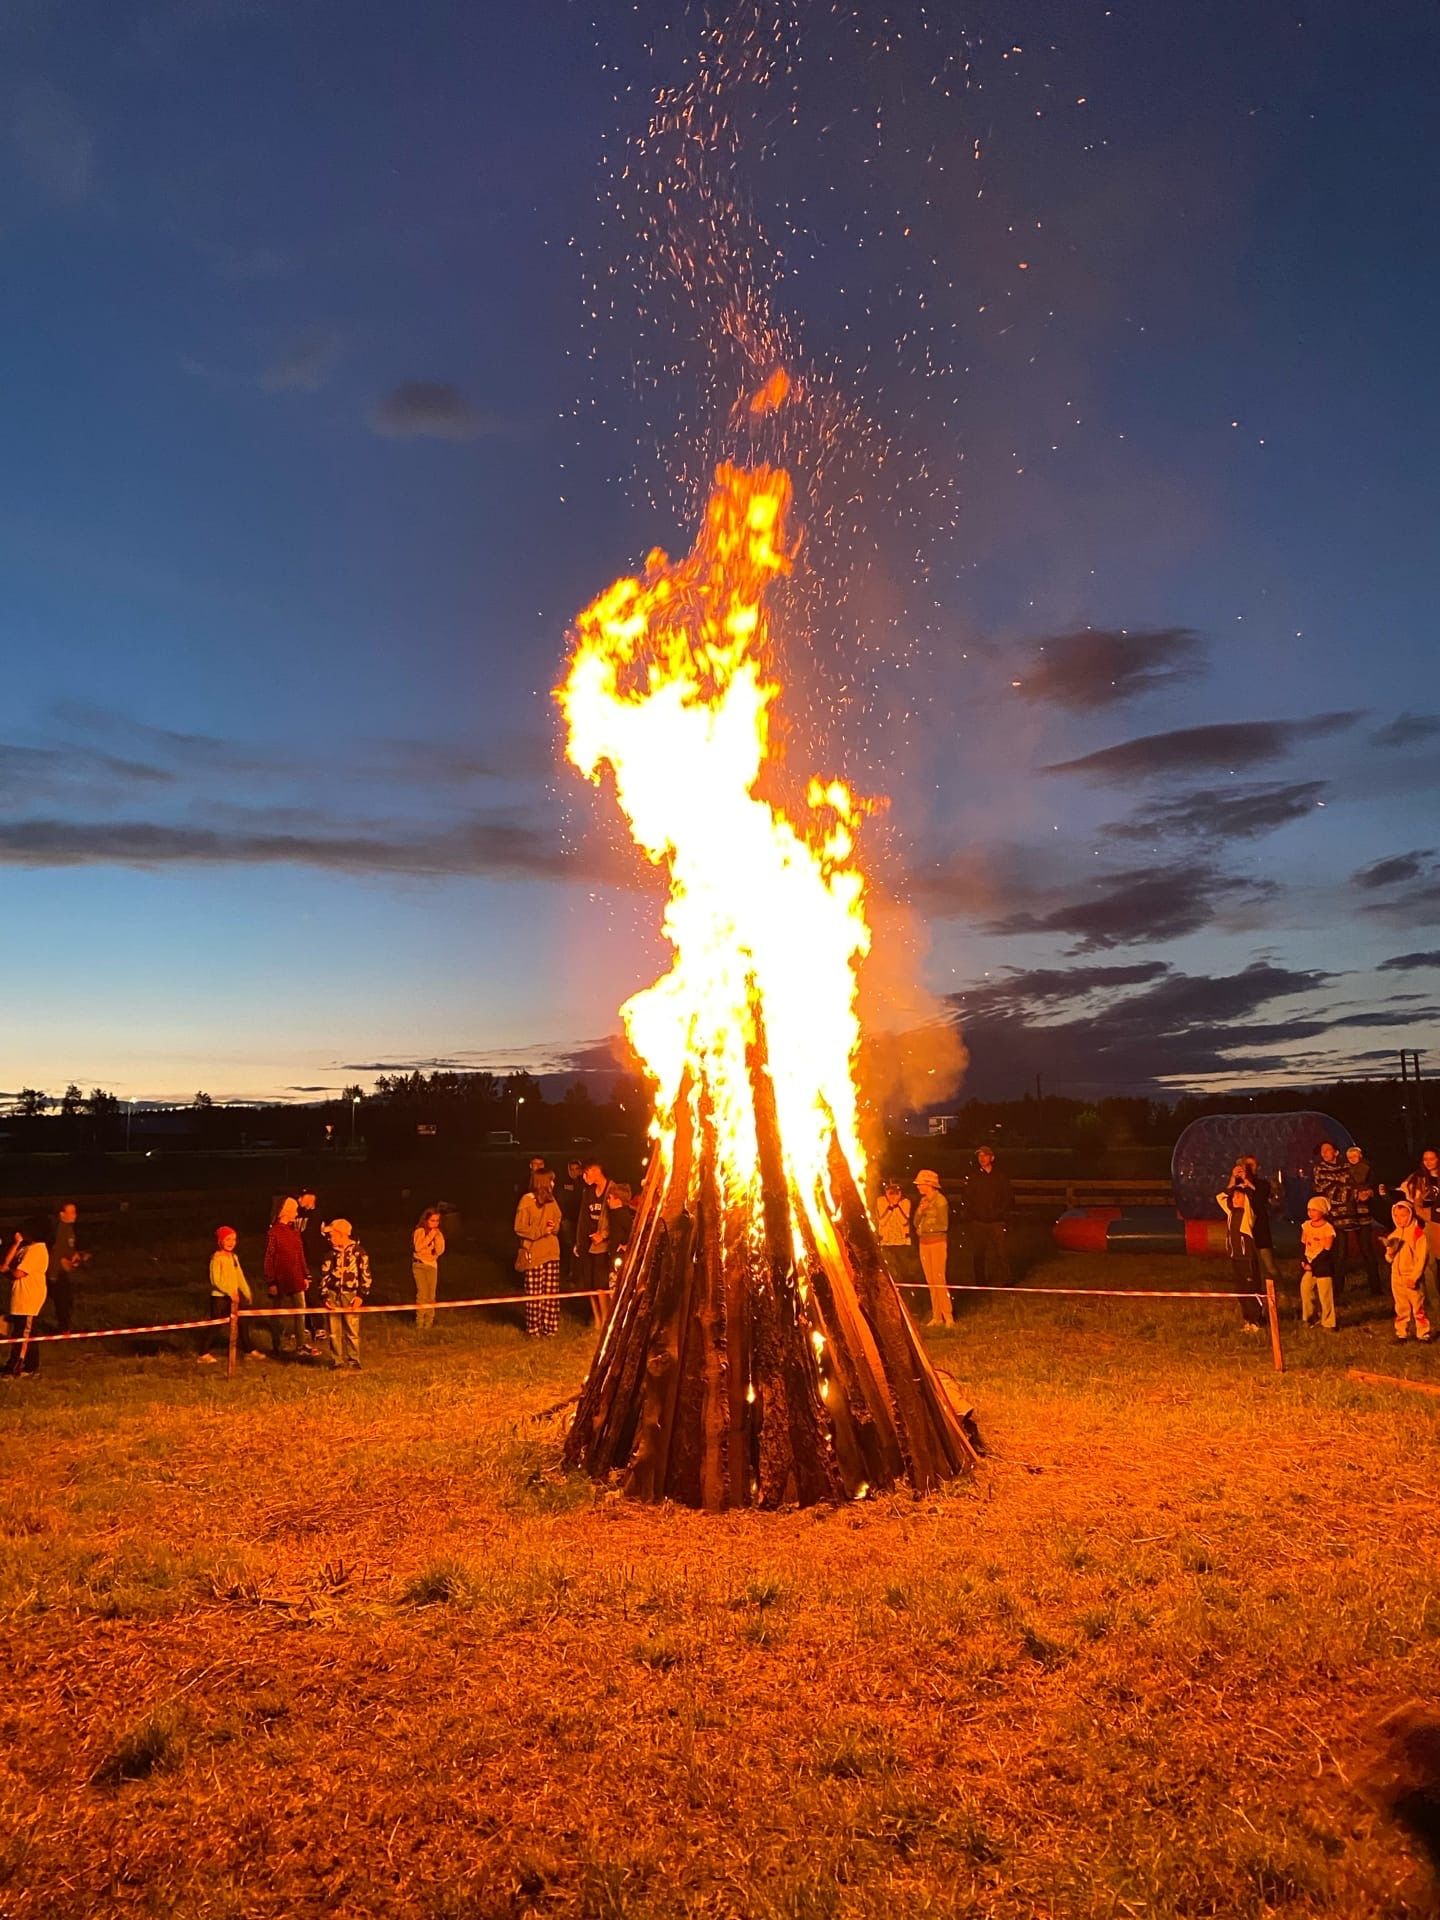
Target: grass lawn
column 300, row 1643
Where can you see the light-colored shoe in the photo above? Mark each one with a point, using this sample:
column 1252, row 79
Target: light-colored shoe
column 255, row 1354
column 206, row 1360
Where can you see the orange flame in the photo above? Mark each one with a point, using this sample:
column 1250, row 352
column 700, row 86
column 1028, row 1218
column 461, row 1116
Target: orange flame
column 671, row 687
column 773, row 395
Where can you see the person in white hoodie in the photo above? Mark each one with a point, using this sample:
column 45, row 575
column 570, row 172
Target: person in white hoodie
column 1407, row 1252
column 27, row 1264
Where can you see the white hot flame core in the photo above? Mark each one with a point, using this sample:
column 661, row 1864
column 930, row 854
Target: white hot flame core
column 670, row 688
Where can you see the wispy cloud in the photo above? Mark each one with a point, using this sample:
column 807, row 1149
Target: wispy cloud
column 1123, row 909
column 1411, row 962
column 305, row 365
column 1083, row 1029
column 1396, row 870
column 1226, row 746
column 1220, row 814
column 65, row 776
column 497, row 844
column 1408, row 730
column 1103, row 667
column 431, row 410
column 516, row 756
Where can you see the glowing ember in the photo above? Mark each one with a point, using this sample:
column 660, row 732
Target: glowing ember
column 773, row 395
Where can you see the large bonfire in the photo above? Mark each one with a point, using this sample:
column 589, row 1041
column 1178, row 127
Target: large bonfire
column 757, row 1351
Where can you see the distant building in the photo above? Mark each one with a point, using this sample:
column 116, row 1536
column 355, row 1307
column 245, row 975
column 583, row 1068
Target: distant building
column 944, row 1122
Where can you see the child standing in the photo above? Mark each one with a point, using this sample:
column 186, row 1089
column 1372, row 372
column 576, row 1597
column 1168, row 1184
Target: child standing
column 1317, row 1265
column 1407, row 1252
column 932, row 1232
column 427, row 1244
column 344, row 1283
column 227, row 1283
column 892, row 1226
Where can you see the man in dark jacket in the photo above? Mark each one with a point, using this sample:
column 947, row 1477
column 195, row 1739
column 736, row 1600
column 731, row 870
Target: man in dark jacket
column 1330, row 1179
column 568, row 1192
column 592, row 1240
column 1263, row 1232
column 65, row 1260
column 1354, row 1234
column 988, row 1205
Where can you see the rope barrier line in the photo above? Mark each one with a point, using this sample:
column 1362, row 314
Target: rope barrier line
column 1269, row 1300
column 293, row 1313
column 116, row 1333
column 596, row 1293
column 1089, row 1293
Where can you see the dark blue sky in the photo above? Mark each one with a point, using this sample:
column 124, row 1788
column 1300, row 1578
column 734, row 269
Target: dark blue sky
column 313, row 444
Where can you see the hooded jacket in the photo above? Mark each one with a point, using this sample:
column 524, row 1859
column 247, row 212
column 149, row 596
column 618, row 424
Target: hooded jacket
column 285, row 1268
column 1330, row 1178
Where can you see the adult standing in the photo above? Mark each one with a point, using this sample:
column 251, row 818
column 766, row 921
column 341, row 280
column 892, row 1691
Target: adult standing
column 1262, row 1228
column 312, row 1239
column 538, row 1222
column 1237, row 1205
column 1354, row 1232
column 287, row 1276
column 65, row 1260
column 1329, row 1177
column 567, row 1194
column 344, row 1284
column 27, row 1262
column 988, row 1206
column 893, row 1212
column 306, row 1216
column 427, row 1244
column 592, row 1239
column 932, row 1235
column 1422, row 1189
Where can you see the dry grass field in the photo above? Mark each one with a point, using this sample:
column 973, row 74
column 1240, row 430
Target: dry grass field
column 303, row 1643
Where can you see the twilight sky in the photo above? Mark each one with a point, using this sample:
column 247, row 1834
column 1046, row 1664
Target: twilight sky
column 327, row 396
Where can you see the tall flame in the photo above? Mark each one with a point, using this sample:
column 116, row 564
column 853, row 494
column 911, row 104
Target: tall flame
column 671, row 688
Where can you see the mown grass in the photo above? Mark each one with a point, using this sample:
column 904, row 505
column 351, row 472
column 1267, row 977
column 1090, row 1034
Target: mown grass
column 297, row 1642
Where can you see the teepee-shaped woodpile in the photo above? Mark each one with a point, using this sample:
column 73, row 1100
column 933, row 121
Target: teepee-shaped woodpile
column 731, row 1373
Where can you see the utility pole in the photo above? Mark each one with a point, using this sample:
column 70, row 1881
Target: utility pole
column 1412, row 1099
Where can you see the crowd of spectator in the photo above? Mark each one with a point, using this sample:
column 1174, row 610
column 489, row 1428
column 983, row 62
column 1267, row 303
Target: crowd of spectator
column 1352, row 1222
column 915, row 1234
column 571, row 1232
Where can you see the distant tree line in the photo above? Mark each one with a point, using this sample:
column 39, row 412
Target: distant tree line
column 406, row 1112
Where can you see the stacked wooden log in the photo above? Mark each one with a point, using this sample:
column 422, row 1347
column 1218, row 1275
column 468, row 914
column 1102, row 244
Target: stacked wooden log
column 732, row 1373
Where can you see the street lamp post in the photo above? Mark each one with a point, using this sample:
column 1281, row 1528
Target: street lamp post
column 354, row 1109
column 519, row 1102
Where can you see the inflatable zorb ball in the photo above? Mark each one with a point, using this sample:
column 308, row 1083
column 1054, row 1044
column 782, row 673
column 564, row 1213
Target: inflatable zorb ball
column 1285, row 1144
